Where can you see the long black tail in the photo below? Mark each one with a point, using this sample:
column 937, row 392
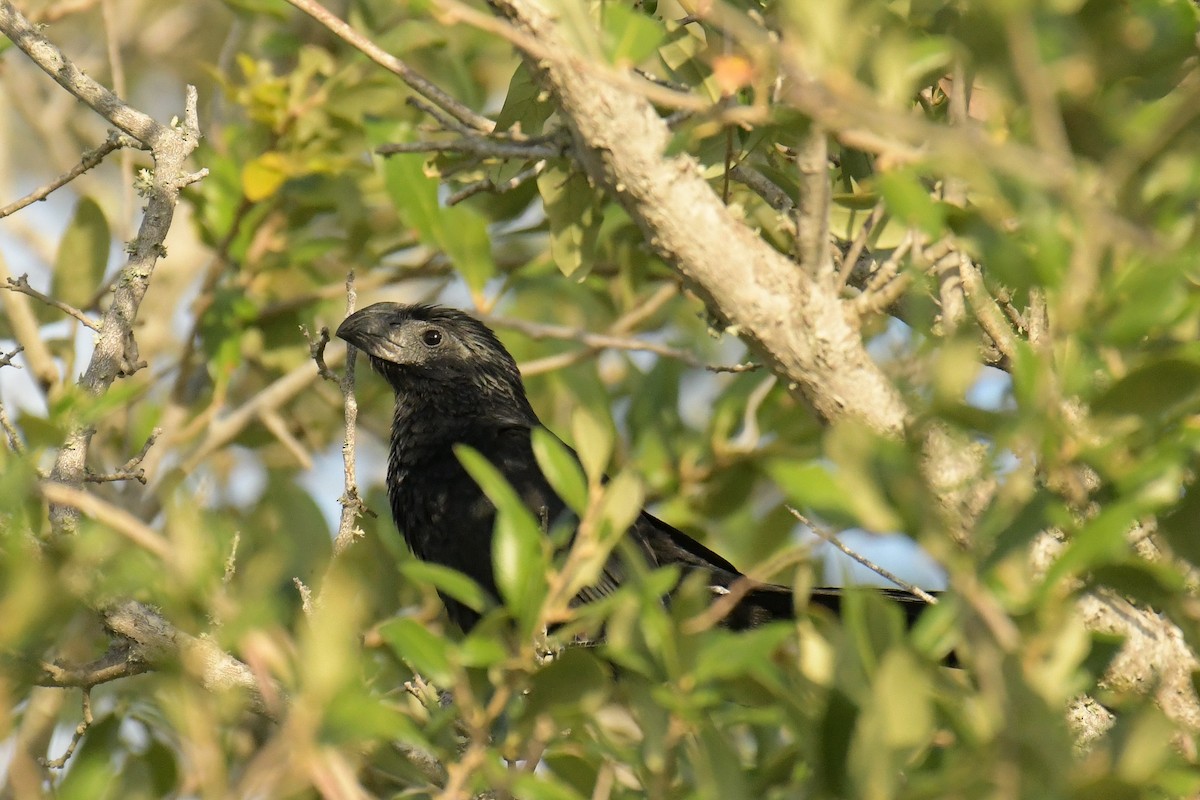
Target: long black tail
column 766, row 603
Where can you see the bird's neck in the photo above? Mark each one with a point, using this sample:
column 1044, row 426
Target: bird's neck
column 428, row 425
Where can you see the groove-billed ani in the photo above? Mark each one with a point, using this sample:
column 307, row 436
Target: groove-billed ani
column 456, row 384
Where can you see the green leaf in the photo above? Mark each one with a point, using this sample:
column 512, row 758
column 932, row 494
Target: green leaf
column 573, row 209
column 903, row 694
column 594, row 439
column 518, row 542
column 1100, row 540
column 481, row 648
column 448, row 581
column 909, row 200
column 457, row 231
column 1179, row 526
column 525, row 104
column 1162, row 386
column 718, row 767
column 81, row 260
column 623, row 501
column 424, row 651
column 561, row 468
column 630, row 36
column 1145, row 745
column 576, row 682
column 732, row 655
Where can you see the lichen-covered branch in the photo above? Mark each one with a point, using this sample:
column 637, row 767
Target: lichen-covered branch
column 115, row 352
column 797, row 321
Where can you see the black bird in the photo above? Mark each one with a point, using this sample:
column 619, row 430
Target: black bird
column 456, row 384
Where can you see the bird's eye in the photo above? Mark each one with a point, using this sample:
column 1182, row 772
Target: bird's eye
column 432, row 337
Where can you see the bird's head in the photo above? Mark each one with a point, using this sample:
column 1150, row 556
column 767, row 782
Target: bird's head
column 438, row 352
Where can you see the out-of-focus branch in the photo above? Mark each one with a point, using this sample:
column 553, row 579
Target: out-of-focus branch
column 157, row 643
column 10, row 432
column 25, row 329
column 106, row 513
column 606, row 341
column 46, row 55
column 118, row 662
column 283, row 389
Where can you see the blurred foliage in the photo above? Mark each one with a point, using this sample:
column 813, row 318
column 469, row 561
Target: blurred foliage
column 1093, row 430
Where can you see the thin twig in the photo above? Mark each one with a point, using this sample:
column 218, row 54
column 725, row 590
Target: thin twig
column 488, row 185
column 850, row 259
column 394, row 65
column 764, row 187
column 231, row 559
column 90, row 159
column 886, row 286
column 605, row 341
column 480, row 146
column 6, row 359
column 832, row 538
column 76, row 737
column 10, row 432
column 21, row 285
column 352, row 505
column 444, row 120
column 130, row 470
column 316, row 351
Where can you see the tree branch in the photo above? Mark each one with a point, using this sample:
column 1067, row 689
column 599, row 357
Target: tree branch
column 22, row 286
column 46, row 55
column 157, row 643
column 104, row 512
column 115, row 353
column 797, row 322
column 90, row 159
column 812, row 212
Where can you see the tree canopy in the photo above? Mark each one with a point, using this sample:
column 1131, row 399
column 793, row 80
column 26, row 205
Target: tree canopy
column 911, row 268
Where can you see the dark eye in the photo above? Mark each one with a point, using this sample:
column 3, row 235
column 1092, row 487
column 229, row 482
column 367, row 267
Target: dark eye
column 432, row 337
